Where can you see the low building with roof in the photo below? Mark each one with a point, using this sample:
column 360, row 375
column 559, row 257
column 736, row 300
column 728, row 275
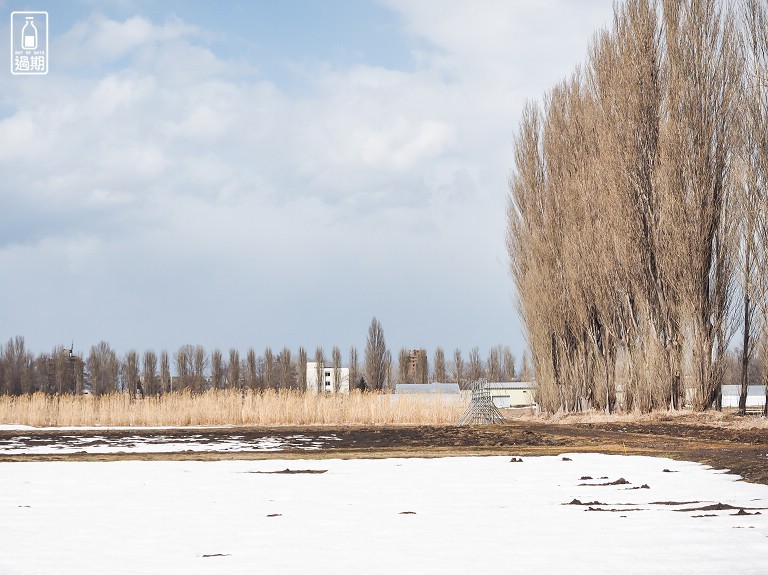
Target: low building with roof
column 434, row 388
column 512, row 394
column 755, row 397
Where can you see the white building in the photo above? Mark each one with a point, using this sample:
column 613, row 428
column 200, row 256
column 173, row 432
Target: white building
column 328, row 379
column 512, row 394
column 755, row 397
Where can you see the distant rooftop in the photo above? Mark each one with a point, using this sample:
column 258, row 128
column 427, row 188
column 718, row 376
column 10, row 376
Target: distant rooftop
column 511, row 385
column 444, row 388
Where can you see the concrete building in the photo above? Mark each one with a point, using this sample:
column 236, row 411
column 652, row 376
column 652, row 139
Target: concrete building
column 328, row 379
column 418, row 366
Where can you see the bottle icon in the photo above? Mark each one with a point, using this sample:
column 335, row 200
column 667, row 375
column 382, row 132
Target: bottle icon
column 29, row 34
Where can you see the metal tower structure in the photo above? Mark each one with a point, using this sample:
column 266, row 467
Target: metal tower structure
column 481, row 410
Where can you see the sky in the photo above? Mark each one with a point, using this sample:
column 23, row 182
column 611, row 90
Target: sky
column 253, row 174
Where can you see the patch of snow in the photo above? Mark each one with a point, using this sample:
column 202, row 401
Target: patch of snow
column 427, row 516
column 100, row 444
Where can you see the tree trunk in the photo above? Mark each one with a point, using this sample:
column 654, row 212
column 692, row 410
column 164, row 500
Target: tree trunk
column 745, row 360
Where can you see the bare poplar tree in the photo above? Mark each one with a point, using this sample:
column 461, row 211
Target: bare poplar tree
column 354, row 368
column 439, row 373
column 320, row 369
column 458, row 368
column 40, row 379
column 287, row 369
column 704, row 63
column 251, row 370
column 199, row 367
column 403, row 359
column 151, row 384
column 103, row 369
column 422, row 367
column 336, row 359
column 301, row 368
column 3, row 374
column 17, row 363
column 755, row 19
column 61, row 377
column 525, row 370
column 494, row 364
column 217, row 369
column 185, row 366
column 269, row 370
column 389, row 375
column 376, row 368
column 233, row 370
column 475, row 369
column 637, row 297
column 129, row 372
column 165, row 372
column 748, row 215
column 508, row 372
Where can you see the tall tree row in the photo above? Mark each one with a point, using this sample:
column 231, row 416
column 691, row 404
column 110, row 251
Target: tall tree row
column 196, row 370
column 626, row 213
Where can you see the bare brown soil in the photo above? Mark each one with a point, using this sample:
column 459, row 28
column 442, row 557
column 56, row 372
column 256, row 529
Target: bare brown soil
column 743, row 451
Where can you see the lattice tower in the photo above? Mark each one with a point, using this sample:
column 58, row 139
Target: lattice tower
column 481, row 410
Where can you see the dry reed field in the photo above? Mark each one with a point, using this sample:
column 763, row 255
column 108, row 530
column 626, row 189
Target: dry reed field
column 229, row 407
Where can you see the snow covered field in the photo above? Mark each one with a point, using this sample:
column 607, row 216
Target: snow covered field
column 405, row 516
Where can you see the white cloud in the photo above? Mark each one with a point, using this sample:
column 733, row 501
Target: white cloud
column 98, row 39
column 119, row 91
column 176, row 178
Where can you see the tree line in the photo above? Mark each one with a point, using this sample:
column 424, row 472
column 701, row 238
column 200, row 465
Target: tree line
column 638, row 210
column 195, row 369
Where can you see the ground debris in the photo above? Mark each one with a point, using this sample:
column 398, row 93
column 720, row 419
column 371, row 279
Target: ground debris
column 713, row 507
column 407, row 513
column 577, row 502
column 217, row 555
column 613, row 510
column 619, row 481
column 742, row 512
column 674, row 502
column 287, row 471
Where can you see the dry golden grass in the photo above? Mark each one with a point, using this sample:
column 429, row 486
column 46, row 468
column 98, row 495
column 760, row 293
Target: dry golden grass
column 217, row 408
column 289, row 408
column 683, row 417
